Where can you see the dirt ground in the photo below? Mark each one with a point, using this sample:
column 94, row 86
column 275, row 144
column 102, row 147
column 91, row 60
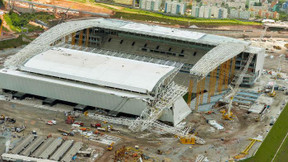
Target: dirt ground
column 76, row 5
column 274, row 58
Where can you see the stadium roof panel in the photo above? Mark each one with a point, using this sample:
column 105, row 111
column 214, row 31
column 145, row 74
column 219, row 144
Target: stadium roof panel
column 162, row 31
column 98, row 69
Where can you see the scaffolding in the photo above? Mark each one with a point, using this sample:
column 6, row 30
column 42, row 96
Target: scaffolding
column 164, row 101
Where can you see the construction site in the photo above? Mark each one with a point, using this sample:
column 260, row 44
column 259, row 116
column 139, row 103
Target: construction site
column 113, row 90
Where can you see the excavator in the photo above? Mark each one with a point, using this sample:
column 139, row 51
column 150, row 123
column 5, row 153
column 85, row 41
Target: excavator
column 110, row 147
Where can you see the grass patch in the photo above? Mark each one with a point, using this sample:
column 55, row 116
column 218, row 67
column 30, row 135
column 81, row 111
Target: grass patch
column 13, row 43
column 15, row 21
column 179, row 20
column 271, row 143
column 145, row 15
column 283, row 152
column 10, row 23
column 127, row 2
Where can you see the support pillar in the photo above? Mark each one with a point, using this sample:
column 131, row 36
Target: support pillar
column 233, row 68
column 66, row 38
column 221, row 76
column 190, row 89
column 202, row 90
column 80, row 38
column 212, row 84
column 227, row 72
column 87, row 37
column 197, row 95
column 73, row 38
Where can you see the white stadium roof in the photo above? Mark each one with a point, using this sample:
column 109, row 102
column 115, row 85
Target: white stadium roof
column 98, row 69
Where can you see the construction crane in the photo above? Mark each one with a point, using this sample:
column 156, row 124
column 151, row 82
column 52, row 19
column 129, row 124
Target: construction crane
column 230, row 95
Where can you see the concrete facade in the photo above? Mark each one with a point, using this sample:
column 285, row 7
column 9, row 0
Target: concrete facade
column 175, row 7
column 151, row 5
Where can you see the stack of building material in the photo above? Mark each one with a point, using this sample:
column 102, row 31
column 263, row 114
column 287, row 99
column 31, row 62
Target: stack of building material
column 24, row 143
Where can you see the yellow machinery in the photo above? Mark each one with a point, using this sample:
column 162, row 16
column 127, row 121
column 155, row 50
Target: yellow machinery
column 272, row 93
column 86, row 113
column 253, row 141
column 188, row 139
column 110, row 147
column 226, row 115
column 2, row 117
column 246, row 150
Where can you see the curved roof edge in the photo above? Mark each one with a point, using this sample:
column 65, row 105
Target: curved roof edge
column 42, row 43
column 216, row 57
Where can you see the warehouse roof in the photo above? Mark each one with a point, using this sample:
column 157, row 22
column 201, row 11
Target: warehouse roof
column 98, row 69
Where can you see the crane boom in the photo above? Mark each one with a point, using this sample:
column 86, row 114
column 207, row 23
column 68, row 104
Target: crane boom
column 229, row 97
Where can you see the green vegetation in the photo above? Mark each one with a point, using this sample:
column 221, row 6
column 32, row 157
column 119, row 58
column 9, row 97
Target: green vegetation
column 272, row 142
column 10, row 23
column 283, row 16
column 12, row 43
column 16, row 22
column 127, row 2
column 283, row 152
column 179, row 20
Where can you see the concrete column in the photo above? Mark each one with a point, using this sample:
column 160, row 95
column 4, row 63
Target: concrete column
column 221, row 77
column 197, row 95
column 227, row 69
column 212, row 84
column 87, row 37
column 80, row 38
column 190, row 89
column 73, row 38
column 202, row 90
column 66, row 38
column 233, row 68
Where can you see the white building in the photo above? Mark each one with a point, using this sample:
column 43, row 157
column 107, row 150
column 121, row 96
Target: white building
column 207, row 12
column 225, row 13
column 214, row 12
column 175, row 7
column 195, row 11
column 151, row 5
column 237, row 5
column 201, row 11
column 244, row 15
column 234, row 13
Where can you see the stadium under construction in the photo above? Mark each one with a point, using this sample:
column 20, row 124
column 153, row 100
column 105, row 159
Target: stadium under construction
column 128, row 67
